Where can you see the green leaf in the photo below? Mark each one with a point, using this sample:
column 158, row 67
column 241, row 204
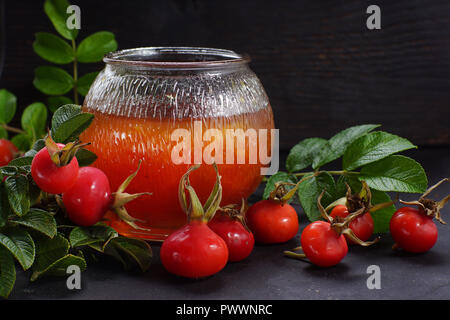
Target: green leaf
column 303, row 154
column 136, row 250
column 56, row 11
column 395, row 173
column 68, row 122
column 17, row 191
column 52, row 257
column 95, row 46
column 59, row 267
column 20, row 245
column 372, row 147
column 22, row 141
column 8, row 102
column 52, row 48
column 38, row 220
column 280, row 176
column 336, row 146
column 82, row 236
column 309, row 190
column 381, row 218
column 84, row 83
column 85, row 157
column 57, row 101
column 52, row 80
column 8, row 170
column 5, row 209
column 7, row 273
column 34, row 119
column 3, row 133
column 22, row 161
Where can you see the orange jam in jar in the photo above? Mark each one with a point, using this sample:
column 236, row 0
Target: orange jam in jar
column 168, row 107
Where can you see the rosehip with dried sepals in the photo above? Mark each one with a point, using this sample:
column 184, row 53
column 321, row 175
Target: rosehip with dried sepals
column 413, row 229
column 194, row 250
column 229, row 224
column 323, row 242
column 54, row 168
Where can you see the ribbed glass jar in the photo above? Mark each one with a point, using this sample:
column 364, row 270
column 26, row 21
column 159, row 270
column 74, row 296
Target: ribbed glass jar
column 142, row 96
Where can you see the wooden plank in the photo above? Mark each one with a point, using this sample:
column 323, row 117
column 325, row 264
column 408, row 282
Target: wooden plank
column 321, row 67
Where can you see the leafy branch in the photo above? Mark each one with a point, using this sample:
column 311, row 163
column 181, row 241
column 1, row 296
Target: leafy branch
column 33, row 228
column 372, row 152
column 55, row 81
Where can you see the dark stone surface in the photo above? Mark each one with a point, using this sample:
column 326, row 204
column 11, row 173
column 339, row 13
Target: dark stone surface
column 267, row 274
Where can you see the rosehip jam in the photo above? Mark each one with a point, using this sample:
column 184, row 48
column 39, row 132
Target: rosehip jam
column 144, row 95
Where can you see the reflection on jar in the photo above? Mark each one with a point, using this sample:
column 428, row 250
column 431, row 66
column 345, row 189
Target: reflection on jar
column 139, row 100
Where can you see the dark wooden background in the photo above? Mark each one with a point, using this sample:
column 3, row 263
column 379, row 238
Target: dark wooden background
column 322, row 68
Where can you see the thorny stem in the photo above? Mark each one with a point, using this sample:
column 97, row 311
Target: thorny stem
column 336, row 173
column 12, row 129
column 75, row 73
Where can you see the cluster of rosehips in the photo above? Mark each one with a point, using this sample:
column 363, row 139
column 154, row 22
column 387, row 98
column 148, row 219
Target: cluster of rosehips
column 209, row 240
column 324, row 243
column 86, row 191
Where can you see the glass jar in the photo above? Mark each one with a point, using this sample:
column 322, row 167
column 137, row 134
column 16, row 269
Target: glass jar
column 139, row 100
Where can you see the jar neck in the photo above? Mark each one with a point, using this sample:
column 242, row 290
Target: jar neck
column 119, row 68
column 176, row 61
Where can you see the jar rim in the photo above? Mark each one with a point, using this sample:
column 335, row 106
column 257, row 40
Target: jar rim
column 176, row 58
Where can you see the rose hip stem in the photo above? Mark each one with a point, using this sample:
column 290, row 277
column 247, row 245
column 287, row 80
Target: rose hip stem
column 430, row 207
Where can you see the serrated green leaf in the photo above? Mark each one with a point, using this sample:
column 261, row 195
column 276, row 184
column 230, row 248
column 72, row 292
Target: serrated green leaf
column 38, row 145
column 56, row 11
column 20, row 244
column 52, row 48
column 21, row 161
column 280, row 176
column 57, row 101
column 85, row 157
column 39, row 220
column 17, row 191
column 82, row 236
column 95, row 46
column 309, row 191
column 302, row 155
column 137, row 250
column 49, row 250
column 372, row 147
column 381, row 218
column 8, row 102
column 52, row 80
column 7, row 273
column 8, row 170
column 336, row 146
column 22, row 141
column 68, row 122
column 71, row 129
column 5, row 209
column 59, row 267
column 52, row 257
column 395, row 173
column 65, row 113
column 84, row 83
